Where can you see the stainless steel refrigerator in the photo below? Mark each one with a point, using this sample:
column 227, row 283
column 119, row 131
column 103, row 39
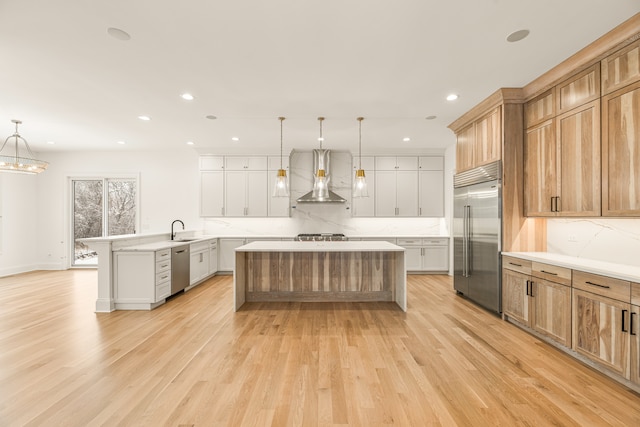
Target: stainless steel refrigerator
column 477, row 237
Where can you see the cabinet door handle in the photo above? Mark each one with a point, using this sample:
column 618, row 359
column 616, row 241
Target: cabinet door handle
column 557, row 203
column 623, row 328
column 517, row 265
column 548, row 272
column 600, row 286
column 631, row 324
column 420, row 211
column 528, row 281
column 551, row 208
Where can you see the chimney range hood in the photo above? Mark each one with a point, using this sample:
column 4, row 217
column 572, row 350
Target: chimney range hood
column 321, row 162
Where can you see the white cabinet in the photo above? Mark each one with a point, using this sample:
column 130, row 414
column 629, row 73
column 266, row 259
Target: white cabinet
column 277, row 206
column 142, row 278
column 396, row 193
column 211, row 163
column 245, row 163
column 426, row 254
column 199, row 262
column 211, row 193
column 213, row 256
column 364, row 206
column 431, row 186
column 401, row 163
column 226, row 253
column 246, row 193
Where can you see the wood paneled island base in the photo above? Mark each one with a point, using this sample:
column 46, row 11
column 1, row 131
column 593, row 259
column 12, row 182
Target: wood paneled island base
column 320, row 271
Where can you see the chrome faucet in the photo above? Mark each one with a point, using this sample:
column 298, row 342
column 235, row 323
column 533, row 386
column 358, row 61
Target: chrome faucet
column 173, row 235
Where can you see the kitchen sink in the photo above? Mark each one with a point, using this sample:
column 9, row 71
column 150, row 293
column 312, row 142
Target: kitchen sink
column 186, row 240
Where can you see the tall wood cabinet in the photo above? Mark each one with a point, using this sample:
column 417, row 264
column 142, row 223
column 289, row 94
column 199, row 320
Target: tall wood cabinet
column 562, row 153
column 480, row 142
column 634, row 333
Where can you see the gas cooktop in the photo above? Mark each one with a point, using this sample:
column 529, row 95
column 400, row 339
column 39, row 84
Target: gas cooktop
column 320, row 237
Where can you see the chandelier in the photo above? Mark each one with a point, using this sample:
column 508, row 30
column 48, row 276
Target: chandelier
column 12, row 161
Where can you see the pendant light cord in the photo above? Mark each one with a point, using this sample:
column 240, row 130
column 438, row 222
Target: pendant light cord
column 360, row 119
column 321, row 138
column 281, row 119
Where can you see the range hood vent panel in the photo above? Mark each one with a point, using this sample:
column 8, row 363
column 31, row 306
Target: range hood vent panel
column 322, row 160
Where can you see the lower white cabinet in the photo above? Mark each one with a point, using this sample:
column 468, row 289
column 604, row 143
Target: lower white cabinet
column 199, row 262
column 227, row 254
column 142, row 278
column 213, row 256
column 426, row 254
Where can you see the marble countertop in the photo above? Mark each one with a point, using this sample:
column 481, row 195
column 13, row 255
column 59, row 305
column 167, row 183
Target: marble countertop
column 164, row 244
column 617, row 271
column 292, row 246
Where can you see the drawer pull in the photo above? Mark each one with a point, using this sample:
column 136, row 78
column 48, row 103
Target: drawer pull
column 513, row 263
column 631, row 324
column 163, row 277
column 600, row 286
column 548, row 272
column 623, row 328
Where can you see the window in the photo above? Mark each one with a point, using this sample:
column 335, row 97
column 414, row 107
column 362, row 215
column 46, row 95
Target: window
column 101, row 207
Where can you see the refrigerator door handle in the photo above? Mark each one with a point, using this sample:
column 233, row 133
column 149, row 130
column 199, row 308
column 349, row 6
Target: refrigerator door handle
column 468, row 245
column 464, row 241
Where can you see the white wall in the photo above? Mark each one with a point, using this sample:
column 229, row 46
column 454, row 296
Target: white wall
column 603, row 239
column 18, row 212
column 169, row 189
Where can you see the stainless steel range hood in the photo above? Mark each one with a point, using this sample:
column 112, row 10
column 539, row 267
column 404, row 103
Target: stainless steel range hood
column 321, row 160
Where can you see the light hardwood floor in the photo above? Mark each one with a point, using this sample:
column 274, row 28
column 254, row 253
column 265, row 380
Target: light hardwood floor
column 193, row 362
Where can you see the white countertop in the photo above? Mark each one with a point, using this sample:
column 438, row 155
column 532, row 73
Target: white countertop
column 617, row 271
column 164, row 244
column 293, row 246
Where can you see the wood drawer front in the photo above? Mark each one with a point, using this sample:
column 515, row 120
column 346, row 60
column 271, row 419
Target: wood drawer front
column 162, row 255
column 578, row 90
column 602, row 285
column 516, row 264
column 552, row 273
column 540, row 109
column 621, row 68
column 635, row 293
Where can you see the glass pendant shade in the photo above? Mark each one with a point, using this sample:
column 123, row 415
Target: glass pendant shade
column 360, row 182
column 360, row 185
column 321, row 185
column 281, row 188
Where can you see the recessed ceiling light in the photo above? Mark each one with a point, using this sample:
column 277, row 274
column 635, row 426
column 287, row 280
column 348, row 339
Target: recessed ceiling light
column 51, row 142
column 430, row 117
column 189, row 142
column 452, row 97
column 119, row 34
column 187, row 96
column 211, row 117
column 516, row 36
column 235, row 138
column 406, row 139
column 145, row 118
column 121, row 142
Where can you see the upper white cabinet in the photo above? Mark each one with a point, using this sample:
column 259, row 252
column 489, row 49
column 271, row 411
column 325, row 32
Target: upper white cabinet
column 246, row 193
column 211, row 163
column 255, row 163
column 396, row 193
column 211, row 193
column 365, row 206
column 431, row 186
column 403, row 163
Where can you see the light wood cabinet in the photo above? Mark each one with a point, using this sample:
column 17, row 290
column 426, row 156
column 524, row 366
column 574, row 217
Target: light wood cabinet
column 634, row 333
column 578, row 89
column 562, row 164
column 465, row 139
column 598, row 331
column 621, row 68
column 540, row 109
column 488, row 138
column 551, row 294
column 601, row 314
column 515, row 295
column 621, row 152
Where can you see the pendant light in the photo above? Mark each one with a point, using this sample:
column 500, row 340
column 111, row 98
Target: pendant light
column 11, row 161
column 281, row 188
column 321, row 180
column 360, row 183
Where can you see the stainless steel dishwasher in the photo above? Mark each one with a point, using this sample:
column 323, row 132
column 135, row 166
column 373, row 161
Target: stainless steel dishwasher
column 179, row 268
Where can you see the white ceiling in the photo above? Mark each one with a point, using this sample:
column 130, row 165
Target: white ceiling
column 249, row 61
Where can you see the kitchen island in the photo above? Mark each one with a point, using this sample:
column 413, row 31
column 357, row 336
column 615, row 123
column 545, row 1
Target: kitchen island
column 320, row 271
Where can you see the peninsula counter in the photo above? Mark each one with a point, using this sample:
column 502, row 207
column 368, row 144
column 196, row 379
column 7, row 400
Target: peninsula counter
column 320, row 271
